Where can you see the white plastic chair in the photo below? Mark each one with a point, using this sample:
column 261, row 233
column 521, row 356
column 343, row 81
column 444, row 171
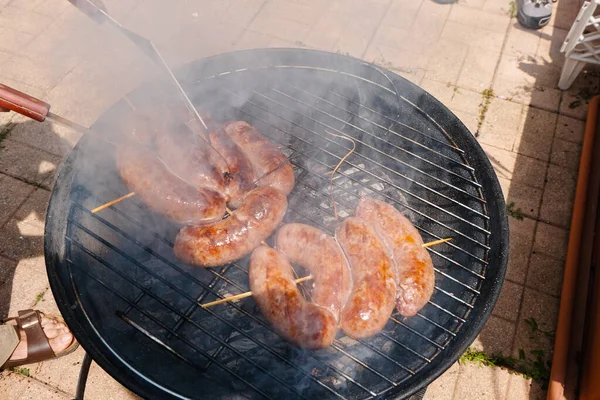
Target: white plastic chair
column 582, row 44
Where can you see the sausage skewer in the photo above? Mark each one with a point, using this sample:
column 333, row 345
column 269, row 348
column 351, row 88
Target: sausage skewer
column 299, row 280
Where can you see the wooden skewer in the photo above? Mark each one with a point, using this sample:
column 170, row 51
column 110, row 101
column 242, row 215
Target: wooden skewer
column 299, row 280
column 110, row 203
column 244, row 295
column 436, row 242
column 336, row 168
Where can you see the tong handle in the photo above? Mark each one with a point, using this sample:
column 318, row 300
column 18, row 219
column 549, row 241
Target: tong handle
column 23, row 104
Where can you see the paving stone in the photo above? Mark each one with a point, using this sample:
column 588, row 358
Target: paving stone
column 559, row 194
column 7, row 268
column 496, row 336
column 27, row 163
column 361, row 8
column 471, row 121
column 551, row 241
column 515, row 68
column 21, row 240
column 23, row 290
column 521, row 388
column 12, row 40
column 409, row 60
column 573, row 106
column 49, row 8
column 467, row 100
column 476, row 382
column 293, row 11
column 326, row 32
column 12, row 385
column 473, row 36
column 401, row 14
column 526, row 198
column 521, row 241
column 541, row 309
column 443, row 386
column 479, row 19
column 478, row 69
column 445, row 61
column 428, row 26
column 279, row 27
column 497, row 7
column 566, row 154
column 543, row 97
column 545, row 274
column 44, row 75
column 12, row 195
column 41, row 135
column 564, row 18
column 536, row 134
column 354, row 40
column 549, row 46
column 253, row 40
column 501, row 124
column 33, row 211
column 521, row 41
column 37, row 391
column 517, row 168
column 570, row 129
column 101, row 386
column 23, row 21
column 509, row 302
column 61, row 373
column 441, row 91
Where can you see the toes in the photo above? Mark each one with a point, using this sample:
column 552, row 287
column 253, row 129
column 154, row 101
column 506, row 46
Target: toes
column 61, row 342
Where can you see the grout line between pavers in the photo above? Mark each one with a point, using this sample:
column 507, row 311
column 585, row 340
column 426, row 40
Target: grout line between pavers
column 376, row 31
column 247, row 27
column 40, row 185
column 39, row 382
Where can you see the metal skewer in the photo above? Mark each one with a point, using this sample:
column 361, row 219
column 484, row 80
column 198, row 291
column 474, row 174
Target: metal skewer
column 97, row 11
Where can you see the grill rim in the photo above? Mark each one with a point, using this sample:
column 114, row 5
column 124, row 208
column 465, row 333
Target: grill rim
column 59, row 211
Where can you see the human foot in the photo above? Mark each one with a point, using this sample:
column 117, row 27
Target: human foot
column 58, row 335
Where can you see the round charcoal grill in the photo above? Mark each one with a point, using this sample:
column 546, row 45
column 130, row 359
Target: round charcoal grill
column 135, row 308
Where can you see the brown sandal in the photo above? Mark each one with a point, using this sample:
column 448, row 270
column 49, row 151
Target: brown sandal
column 38, row 346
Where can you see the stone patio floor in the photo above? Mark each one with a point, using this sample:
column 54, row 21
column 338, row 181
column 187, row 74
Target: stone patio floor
column 461, row 53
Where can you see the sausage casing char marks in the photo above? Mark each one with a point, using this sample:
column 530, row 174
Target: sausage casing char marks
column 146, row 175
column 320, row 254
column 268, row 162
column 192, row 159
column 415, row 273
column 234, row 237
column 241, row 174
column 371, row 301
column 303, row 323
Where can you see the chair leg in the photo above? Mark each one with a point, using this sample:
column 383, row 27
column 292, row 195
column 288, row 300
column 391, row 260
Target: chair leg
column 570, row 70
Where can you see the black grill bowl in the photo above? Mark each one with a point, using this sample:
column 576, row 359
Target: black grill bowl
column 134, row 307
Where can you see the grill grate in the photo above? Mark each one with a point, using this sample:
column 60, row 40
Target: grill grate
column 143, row 304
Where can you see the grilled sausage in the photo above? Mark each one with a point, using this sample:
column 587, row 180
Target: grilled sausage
column 371, row 301
column 146, row 175
column 320, row 254
column 304, row 324
column 232, row 238
column 270, row 165
column 241, row 174
column 192, row 159
column 415, row 274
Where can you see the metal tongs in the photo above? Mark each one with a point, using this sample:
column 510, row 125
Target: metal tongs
column 96, row 10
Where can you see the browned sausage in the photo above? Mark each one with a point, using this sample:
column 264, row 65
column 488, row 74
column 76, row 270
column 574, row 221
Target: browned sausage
column 234, row 237
column 146, row 175
column 415, row 276
column 268, row 162
column 241, row 175
column 320, row 254
column 304, row 324
column 192, row 159
column 371, row 301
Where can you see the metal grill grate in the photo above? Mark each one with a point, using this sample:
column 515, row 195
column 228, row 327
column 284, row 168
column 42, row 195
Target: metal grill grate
column 143, row 304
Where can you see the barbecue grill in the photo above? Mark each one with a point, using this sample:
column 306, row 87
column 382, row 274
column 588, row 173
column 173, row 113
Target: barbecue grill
column 136, row 309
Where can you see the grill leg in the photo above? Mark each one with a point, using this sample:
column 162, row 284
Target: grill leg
column 83, row 375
